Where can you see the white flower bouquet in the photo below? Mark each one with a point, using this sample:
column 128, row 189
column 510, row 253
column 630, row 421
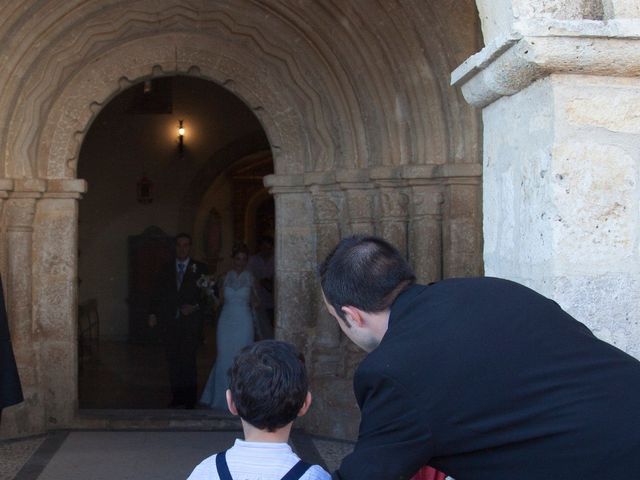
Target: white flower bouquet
column 207, row 283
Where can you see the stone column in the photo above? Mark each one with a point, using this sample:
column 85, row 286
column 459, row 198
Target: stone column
column 55, row 296
column 393, row 215
column 28, row 417
column 360, row 195
column 561, row 165
column 462, row 227
column 331, row 353
column 295, row 260
column 327, row 206
column 425, row 227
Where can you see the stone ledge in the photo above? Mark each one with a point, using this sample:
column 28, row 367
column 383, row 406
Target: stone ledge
column 38, row 187
column 376, row 176
column 490, row 75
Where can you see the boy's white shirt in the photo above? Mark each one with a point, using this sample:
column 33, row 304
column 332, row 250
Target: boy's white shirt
column 257, row 461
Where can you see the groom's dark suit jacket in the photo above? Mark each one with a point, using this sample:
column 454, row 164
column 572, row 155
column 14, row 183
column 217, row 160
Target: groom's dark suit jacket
column 181, row 333
column 485, row 379
column 167, row 298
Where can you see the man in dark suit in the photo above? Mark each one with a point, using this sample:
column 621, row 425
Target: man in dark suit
column 176, row 308
column 10, row 388
column 482, row 378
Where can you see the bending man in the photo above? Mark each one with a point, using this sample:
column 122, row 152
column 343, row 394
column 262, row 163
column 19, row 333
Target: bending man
column 481, row 378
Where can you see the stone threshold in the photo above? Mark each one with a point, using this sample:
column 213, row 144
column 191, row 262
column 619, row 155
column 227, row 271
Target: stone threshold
column 162, row 419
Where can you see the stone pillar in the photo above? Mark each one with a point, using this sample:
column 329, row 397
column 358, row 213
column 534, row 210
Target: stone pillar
column 561, row 190
column 28, row 417
column 360, row 196
column 462, row 227
column 425, row 231
column 331, row 355
column 55, row 297
column 327, row 206
column 295, row 265
column 393, row 215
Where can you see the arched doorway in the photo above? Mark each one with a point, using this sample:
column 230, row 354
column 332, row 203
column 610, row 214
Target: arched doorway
column 142, row 177
column 365, row 131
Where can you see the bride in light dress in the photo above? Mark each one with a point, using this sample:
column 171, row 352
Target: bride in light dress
column 235, row 325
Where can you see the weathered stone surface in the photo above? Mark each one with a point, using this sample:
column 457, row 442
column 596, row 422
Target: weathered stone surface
column 609, row 103
column 333, row 397
column 560, row 190
column 606, row 303
column 595, row 190
column 335, row 120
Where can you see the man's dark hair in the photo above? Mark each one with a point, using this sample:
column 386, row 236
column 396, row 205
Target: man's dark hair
column 183, row 235
column 365, row 272
column 268, row 383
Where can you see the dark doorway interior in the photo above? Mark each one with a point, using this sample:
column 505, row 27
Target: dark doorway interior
column 146, row 184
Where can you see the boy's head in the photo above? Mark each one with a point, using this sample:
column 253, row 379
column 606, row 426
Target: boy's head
column 268, row 384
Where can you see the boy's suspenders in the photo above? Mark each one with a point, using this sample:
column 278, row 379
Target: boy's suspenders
column 295, row 473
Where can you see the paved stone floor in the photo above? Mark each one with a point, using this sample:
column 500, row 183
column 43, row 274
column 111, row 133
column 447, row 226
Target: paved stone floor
column 122, row 394
column 102, row 455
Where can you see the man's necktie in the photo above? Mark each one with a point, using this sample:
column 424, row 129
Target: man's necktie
column 181, row 268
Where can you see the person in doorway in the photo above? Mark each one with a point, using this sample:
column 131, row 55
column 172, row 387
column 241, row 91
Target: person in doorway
column 481, row 378
column 235, row 324
column 176, row 309
column 10, row 388
column 262, row 268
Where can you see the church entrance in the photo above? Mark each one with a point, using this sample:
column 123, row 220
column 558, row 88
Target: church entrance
column 165, row 156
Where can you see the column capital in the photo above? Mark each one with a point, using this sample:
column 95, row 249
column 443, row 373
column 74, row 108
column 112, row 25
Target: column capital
column 512, row 63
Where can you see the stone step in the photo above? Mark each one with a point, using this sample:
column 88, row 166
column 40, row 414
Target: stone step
column 166, row 419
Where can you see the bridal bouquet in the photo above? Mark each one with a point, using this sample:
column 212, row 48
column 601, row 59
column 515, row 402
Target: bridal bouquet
column 207, row 283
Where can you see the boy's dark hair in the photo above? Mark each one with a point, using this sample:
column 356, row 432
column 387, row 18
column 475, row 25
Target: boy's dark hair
column 365, row 272
column 268, row 383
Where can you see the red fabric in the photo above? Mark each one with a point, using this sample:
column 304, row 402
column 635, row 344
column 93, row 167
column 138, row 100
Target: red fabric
column 428, row 473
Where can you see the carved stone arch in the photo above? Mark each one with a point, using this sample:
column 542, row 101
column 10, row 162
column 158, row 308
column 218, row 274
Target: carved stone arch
column 304, row 68
column 95, row 86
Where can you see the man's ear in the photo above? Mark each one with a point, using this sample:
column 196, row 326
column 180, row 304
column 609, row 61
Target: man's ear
column 305, row 406
column 354, row 315
column 231, row 405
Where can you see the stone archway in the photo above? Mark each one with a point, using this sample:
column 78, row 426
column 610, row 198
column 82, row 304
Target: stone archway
column 365, row 131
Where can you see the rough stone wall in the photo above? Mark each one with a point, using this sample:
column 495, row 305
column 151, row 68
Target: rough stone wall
column 560, row 190
column 356, row 103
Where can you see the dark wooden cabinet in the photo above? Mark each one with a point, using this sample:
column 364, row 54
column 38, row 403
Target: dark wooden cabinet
column 147, row 253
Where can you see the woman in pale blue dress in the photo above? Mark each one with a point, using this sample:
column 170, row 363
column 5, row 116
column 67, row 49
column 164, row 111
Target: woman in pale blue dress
column 235, row 325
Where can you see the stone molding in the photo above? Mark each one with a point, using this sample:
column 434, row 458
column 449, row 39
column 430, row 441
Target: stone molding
column 510, row 64
column 405, row 174
column 42, row 188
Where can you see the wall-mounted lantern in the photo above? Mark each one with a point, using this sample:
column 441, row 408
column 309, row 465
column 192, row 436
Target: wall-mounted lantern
column 180, row 137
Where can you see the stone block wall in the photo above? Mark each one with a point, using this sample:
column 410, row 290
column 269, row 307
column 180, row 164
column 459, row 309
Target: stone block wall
column 559, row 93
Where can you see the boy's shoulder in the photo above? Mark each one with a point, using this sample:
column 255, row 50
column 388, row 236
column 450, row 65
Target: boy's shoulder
column 316, row 472
column 207, row 470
